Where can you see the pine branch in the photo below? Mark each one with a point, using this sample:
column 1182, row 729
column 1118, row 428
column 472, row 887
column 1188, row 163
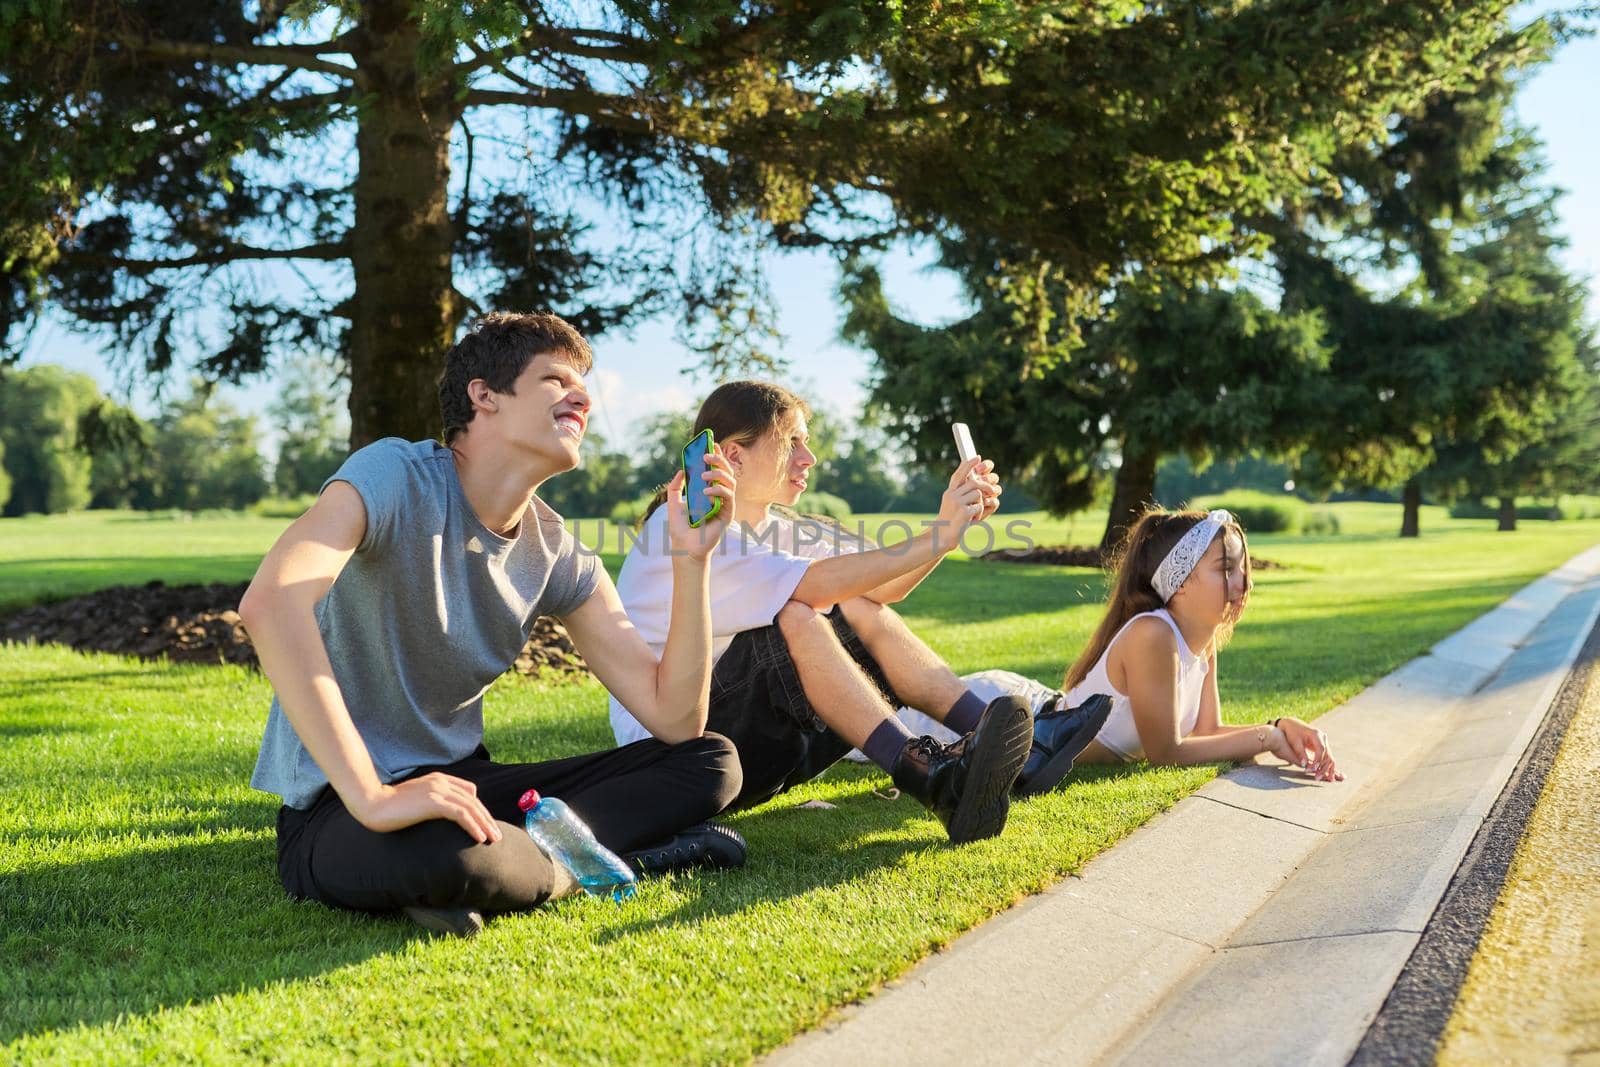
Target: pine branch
column 310, row 101
column 612, row 111
column 621, row 49
column 301, row 56
column 227, row 254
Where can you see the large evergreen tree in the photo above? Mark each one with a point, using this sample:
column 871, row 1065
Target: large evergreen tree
column 1357, row 382
column 244, row 179
column 1452, row 325
column 1546, row 439
column 1212, row 372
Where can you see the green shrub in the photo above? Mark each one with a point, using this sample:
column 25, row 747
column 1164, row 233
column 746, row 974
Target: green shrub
column 283, row 507
column 825, row 504
column 631, row 512
column 1319, row 522
column 1580, row 507
column 1538, row 510
column 1258, row 512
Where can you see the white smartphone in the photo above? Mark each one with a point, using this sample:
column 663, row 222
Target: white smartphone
column 964, row 444
column 964, row 441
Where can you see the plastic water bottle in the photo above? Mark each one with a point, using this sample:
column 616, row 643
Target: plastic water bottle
column 569, row 842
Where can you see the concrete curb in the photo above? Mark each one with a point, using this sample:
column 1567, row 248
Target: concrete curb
column 1279, row 939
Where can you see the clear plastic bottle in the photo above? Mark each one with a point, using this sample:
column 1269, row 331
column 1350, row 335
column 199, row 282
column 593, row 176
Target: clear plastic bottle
column 569, row 842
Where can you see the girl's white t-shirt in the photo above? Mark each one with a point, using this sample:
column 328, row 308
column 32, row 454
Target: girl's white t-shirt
column 754, row 571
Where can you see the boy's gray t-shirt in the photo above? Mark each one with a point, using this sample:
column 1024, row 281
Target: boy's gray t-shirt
column 429, row 611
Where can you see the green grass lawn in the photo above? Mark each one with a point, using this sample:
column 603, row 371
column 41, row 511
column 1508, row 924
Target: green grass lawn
column 50, row 557
column 141, row 918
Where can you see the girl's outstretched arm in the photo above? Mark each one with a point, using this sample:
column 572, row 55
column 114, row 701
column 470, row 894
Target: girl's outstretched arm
column 1148, row 652
column 1307, row 747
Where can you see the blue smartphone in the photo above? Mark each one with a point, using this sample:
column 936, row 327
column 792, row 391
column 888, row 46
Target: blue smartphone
column 701, row 508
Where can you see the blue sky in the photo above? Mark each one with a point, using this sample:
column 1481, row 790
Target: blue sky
column 640, row 373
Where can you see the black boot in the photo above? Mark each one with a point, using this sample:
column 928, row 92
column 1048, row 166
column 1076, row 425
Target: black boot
column 1058, row 737
column 707, row 844
column 968, row 784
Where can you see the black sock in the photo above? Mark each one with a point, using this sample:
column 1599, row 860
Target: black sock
column 885, row 742
column 964, row 714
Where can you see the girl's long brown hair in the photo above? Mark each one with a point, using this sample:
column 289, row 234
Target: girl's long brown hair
column 741, row 413
column 1152, row 536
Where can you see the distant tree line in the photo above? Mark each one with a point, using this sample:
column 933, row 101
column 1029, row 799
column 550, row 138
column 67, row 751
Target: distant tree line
column 64, row 446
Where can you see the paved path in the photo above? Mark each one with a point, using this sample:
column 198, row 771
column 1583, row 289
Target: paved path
column 1532, row 994
column 1264, row 918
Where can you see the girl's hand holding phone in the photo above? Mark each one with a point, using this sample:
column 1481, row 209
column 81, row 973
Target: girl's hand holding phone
column 698, row 542
column 988, row 481
column 967, row 500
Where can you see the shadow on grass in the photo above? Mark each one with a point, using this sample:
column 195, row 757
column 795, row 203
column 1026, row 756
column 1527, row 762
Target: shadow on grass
column 183, row 815
column 17, row 731
column 824, row 848
column 148, row 680
column 172, row 922
column 161, row 927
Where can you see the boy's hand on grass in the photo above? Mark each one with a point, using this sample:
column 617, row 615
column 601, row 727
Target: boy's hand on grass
column 698, row 543
column 432, row 796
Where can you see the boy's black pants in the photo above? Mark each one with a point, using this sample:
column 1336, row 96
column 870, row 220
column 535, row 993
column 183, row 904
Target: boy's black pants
column 630, row 797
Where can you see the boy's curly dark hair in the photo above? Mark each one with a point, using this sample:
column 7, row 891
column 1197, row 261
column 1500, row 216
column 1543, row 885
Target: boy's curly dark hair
column 498, row 348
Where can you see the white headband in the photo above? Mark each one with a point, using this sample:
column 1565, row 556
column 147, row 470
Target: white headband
column 1180, row 562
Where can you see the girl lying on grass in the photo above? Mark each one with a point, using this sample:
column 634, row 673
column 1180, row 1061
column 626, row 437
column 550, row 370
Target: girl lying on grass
column 1181, row 584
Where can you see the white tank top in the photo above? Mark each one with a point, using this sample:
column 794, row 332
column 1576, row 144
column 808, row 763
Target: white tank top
column 1119, row 734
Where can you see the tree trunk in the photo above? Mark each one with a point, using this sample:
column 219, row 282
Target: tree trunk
column 1508, row 513
column 1411, row 497
column 402, row 316
column 1135, row 490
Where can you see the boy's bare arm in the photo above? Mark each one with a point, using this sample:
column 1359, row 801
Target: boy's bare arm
column 669, row 696
column 279, row 610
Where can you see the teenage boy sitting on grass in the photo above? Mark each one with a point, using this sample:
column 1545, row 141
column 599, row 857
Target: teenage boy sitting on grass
column 812, row 660
column 385, row 611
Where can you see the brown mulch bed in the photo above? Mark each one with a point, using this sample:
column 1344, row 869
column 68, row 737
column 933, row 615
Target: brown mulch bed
column 1081, row 556
column 200, row 624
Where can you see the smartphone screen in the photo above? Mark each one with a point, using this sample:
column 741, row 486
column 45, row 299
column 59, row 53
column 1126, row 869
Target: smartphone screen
column 700, row 506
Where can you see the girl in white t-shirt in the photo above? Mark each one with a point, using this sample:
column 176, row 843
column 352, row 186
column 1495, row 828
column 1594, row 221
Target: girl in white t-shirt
column 809, row 659
column 1181, row 584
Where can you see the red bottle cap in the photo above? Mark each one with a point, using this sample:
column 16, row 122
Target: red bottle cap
column 529, row 800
